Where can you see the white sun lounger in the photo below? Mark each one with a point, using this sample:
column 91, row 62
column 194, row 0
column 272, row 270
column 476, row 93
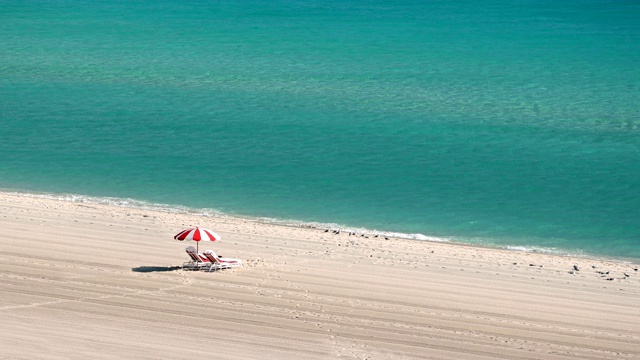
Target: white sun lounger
column 221, row 262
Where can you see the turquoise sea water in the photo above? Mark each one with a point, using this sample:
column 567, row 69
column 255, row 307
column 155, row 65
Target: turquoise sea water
column 502, row 123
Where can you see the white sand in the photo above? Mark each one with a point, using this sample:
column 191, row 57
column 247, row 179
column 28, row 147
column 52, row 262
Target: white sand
column 87, row 281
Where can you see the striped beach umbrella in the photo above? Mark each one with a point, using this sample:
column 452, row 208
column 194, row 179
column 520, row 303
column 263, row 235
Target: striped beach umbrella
column 197, row 234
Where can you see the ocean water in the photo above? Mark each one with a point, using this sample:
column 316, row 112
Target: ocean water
column 500, row 123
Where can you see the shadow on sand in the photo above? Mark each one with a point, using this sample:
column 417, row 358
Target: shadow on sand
column 146, row 269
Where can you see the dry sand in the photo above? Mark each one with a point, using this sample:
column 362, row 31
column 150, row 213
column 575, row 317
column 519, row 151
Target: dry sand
column 88, row 281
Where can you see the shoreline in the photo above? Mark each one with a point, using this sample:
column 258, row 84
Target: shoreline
column 106, row 277
column 128, row 203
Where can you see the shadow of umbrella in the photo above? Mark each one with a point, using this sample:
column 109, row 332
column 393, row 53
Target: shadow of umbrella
column 147, row 269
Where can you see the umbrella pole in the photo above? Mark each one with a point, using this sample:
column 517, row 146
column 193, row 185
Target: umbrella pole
column 198, row 256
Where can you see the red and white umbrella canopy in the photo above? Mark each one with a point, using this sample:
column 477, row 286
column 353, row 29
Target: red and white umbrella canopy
column 197, row 234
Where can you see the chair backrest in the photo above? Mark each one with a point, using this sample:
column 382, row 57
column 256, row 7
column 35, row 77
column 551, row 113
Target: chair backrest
column 211, row 256
column 195, row 256
column 192, row 254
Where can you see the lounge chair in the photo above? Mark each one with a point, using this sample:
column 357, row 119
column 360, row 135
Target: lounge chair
column 221, row 262
column 197, row 262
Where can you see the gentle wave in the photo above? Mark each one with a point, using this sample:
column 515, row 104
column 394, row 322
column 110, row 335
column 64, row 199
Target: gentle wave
column 333, row 227
column 536, row 249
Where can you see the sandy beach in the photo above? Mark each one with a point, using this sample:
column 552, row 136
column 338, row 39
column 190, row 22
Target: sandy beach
column 91, row 281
